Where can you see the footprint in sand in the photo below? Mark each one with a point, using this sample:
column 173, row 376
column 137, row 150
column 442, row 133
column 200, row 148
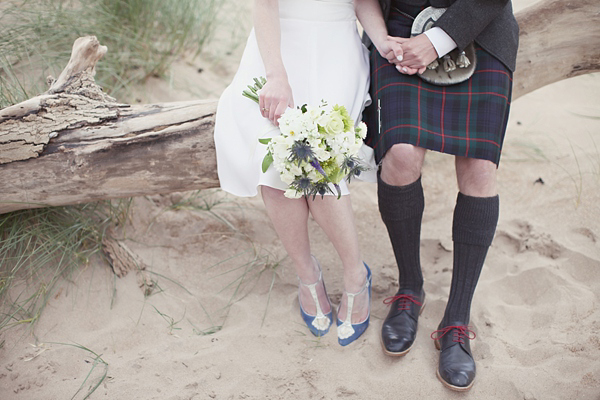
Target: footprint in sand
column 521, row 237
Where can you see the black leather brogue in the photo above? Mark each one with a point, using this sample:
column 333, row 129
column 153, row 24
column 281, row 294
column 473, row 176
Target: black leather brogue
column 456, row 368
column 399, row 329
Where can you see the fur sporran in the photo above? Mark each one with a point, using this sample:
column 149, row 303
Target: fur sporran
column 456, row 66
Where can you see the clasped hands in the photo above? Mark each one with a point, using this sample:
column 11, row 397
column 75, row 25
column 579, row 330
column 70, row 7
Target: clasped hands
column 409, row 55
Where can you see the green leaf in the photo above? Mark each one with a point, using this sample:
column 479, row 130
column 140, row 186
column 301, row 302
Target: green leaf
column 303, row 109
column 250, row 96
column 267, row 161
column 265, row 140
column 260, row 82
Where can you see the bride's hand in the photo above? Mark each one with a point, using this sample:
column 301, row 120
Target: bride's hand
column 274, row 98
column 390, row 49
column 418, row 53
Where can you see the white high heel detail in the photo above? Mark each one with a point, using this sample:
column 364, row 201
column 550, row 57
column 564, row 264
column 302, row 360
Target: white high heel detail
column 346, row 330
column 318, row 324
column 321, row 321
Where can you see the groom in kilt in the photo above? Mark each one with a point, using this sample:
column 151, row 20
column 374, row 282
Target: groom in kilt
column 409, row 116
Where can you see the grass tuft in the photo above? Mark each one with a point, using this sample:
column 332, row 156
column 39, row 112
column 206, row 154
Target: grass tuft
column 95, row 377
column 41, row 248
column 144, row 37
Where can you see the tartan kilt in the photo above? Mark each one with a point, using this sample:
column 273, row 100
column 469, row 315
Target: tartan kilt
column 466, row 119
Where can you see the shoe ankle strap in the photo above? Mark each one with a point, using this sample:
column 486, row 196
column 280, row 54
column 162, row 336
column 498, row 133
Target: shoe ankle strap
column 319, row 278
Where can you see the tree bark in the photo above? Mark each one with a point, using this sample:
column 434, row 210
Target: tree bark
column 558, row 39
column 75, row 144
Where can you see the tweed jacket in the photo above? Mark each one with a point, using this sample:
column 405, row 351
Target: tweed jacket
column 490, row 23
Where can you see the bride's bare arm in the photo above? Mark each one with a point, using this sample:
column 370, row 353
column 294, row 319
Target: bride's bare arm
column 276, row 95
column 370, row 16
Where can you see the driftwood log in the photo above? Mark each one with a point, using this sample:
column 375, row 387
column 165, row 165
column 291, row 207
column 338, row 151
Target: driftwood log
column 75, row 144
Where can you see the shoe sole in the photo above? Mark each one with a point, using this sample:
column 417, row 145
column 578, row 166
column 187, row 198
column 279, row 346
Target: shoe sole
column 452, row 387
column 400, row 353
column 395, row 354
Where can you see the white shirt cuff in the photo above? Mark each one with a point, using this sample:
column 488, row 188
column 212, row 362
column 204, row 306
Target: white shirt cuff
column 441, row 41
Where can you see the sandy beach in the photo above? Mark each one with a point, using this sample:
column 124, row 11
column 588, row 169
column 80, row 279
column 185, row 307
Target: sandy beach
column 223, row 320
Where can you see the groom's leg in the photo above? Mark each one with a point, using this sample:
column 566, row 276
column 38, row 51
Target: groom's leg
column 475, row 220
column 474, row 225
column 401, row 205
column 401, row 209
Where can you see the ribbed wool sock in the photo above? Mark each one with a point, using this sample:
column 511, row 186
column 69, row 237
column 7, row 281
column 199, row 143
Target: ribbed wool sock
column 473, row 229
column 401, row 209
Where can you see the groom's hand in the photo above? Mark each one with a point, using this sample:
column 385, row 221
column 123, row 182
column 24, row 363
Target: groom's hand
column 418, row 53
column 395, row 54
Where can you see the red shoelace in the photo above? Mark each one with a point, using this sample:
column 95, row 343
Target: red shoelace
column 405, row 300
column 461, row 332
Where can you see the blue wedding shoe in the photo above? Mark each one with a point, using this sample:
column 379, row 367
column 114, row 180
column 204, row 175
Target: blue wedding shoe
column 347, row 331
column 320, row 323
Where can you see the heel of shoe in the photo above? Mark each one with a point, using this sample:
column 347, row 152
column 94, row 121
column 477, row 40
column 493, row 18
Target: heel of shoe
column 347, row 331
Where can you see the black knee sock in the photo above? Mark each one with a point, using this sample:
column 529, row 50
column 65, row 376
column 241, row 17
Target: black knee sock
column 401, row 209
column 475, row 220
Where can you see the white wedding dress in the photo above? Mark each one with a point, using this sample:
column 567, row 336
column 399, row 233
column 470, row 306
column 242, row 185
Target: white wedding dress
column 324, row 59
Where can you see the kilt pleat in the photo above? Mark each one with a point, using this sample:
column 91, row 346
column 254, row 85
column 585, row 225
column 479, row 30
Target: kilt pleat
column 467, row 119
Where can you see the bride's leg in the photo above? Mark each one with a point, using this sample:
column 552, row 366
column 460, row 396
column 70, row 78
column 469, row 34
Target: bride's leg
column 290, row 219
column 336, row 218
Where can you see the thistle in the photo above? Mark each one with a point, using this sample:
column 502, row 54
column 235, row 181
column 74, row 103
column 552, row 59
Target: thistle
column 296, row 160
column 302, row 184
column 352, row 167
column 301, row 152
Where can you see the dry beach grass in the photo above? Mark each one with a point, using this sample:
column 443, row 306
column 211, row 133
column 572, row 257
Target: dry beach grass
column 222, row 318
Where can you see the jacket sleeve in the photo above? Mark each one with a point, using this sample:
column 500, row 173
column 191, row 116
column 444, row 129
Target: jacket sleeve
column 464, row 20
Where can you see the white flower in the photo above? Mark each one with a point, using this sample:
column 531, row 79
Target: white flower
column 331, row 135
column 295, row 169
column 292, row 194
column 286, row 176
column 280, row 146
column 314, row 112
column 321, row 154
column 361, row 130
column 332, row 122
column 314, row 175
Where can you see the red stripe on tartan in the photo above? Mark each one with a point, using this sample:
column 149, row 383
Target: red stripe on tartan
column 468, row 117
column 436, row 91
column 434, row 133
column 386, row 64
column 442, row 118
column 495, row 70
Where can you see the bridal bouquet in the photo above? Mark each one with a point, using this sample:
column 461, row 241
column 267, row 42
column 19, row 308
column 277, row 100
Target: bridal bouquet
column 318, row 146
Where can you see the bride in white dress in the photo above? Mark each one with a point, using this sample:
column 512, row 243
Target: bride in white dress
column 309, row 50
